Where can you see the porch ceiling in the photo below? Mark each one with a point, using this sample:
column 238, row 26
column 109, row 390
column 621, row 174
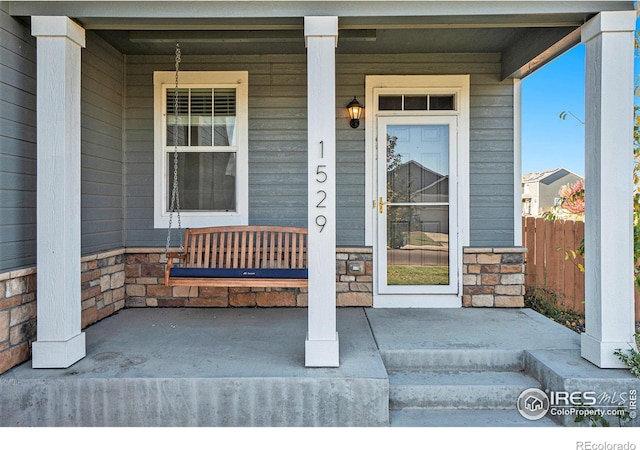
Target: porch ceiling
column 380, row 41
column 523, row 49
column 526, row 34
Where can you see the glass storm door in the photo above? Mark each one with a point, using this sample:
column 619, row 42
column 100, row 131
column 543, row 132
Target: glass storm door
column 416, row 207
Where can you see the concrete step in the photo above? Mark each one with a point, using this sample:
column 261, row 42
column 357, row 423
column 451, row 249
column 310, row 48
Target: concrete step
column 453, row 359
column 438, row 417
column 457, row 389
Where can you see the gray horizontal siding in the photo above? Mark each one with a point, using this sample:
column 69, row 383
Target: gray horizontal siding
column 278, row 130
column 102, row 147
column 491, row 161
column 102, row 183
column 277, row 139
column 17, row 144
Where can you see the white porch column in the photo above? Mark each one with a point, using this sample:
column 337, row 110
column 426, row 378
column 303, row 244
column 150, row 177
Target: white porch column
column 321, row 37
column 609, row 298
column 60, row 343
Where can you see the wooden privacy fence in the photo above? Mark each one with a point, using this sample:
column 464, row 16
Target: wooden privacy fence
column 547, row 265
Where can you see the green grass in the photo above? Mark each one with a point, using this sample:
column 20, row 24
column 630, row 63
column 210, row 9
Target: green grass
column 417, row 275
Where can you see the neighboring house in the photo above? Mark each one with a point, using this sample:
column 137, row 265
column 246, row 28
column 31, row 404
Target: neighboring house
column 87, row 123
column 540, row 190
column 411, row 182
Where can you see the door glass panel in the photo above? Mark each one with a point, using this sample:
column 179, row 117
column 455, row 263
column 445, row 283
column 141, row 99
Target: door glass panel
column 417, row 163
column 417, row 212
column 418, row 245
column 390, row 103
column 442, row 103
column 415, row 103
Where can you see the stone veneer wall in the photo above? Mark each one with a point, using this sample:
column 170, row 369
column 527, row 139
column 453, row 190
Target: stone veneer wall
column 493, row 277
column 103, row 289
column 145, row 285
column 102, row 294
column 17, row 316
column 354, row 288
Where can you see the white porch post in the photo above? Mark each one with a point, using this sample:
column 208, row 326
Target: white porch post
column 609, row 300
column 321, row 36
column 60, row 342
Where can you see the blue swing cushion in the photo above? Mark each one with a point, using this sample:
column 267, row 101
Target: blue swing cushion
column 201, row 272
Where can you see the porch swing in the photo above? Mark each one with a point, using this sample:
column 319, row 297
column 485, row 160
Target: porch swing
column 231, row 256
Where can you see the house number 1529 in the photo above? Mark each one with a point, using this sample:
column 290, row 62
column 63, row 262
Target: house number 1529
column 321, row 177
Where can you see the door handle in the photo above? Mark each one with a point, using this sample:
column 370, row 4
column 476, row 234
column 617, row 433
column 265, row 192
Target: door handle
column 381, row 204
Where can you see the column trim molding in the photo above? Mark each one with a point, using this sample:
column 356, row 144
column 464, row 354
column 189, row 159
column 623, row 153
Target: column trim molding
column 54, row 26
column 608, row 21
column 320, row 26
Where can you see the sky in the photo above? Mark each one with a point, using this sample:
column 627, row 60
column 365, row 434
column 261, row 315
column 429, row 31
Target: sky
column 548, row 142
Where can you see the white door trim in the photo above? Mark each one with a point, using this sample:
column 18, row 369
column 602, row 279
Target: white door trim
column 458, row 85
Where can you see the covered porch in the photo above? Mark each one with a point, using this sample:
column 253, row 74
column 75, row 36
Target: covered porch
column 97, row 162
column 245, row 367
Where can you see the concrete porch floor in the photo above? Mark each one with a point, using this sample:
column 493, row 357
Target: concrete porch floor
column 245, row 367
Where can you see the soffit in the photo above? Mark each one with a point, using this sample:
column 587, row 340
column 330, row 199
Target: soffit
column 385, row 41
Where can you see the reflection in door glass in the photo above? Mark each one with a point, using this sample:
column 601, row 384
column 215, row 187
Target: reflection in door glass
column 418, row 164
column 417, row 205
column 417, row 245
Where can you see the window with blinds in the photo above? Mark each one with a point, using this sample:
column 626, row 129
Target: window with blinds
column 201, row 117
column 201, row 120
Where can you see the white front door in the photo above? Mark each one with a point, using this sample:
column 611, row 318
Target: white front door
column 417, row 245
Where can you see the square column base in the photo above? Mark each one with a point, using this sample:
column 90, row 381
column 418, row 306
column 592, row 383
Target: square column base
column 601, row 353
column 58, row 354
column 322, row 353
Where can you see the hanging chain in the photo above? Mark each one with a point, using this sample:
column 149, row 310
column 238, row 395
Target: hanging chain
column 175, row 198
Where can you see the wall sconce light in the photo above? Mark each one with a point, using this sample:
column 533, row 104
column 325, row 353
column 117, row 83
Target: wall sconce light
column 355, row 112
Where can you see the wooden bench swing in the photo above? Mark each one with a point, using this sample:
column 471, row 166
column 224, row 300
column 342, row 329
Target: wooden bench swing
column 232, row 256
column 240, row 256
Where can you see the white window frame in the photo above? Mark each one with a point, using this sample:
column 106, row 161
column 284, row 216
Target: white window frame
column 195, row 79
